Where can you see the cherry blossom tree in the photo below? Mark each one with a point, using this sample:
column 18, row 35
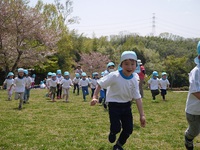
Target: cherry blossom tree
column 93, row 62
column 24, row 39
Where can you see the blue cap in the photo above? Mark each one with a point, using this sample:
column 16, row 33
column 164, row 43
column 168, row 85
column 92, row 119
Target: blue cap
column 20, row 70
column 49, row 74
column 83, row 74
column 10, row 74
column 110, row 64
column 53, row 74
column 66, row 73
column 33, row 75
column 155, row 73
column 26, row 72
column 102, row 74
column 164, row 73
column 59, row 71
column 77, row 75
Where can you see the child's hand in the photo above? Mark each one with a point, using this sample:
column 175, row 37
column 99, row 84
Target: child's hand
column 93, row 102
column 142, row 121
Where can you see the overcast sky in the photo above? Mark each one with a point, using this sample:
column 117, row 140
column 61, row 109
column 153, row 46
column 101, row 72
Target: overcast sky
column 108, row 17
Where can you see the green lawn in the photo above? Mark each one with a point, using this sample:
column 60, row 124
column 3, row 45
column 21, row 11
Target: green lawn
column 43, row 125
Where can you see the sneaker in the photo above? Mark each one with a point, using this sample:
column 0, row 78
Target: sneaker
column 112, row 137
column 117, row 147
column 105, row 106
column 20, row 107
column 189, row 144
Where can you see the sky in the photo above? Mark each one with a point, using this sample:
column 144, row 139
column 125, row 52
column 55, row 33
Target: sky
column 112, row 17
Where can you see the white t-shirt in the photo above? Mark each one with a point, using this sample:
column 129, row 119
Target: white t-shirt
column 76, row 80
column 164, row 83
column 120, row 88
column 154, row 84
column 93, row 83
column 19, row 84
column 48, row 83
column 66, row 83
column 193, row 103
column 53, row 83
column 8, row 83
column 84, row 82
column 59, row 78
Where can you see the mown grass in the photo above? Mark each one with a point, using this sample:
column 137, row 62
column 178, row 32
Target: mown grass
column 43, row 125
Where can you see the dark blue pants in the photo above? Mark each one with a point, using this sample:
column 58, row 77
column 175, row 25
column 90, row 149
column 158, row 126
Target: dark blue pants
column 76, row 86
column 85, row 91
column 121, row 118
column 92, row 92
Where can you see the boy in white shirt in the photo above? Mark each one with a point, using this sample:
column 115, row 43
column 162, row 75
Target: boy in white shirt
column 193, row 104
column 66, row 84
column 153, row 84
column 94, row 82
column 20, row 83
column 59, row 77
column 48, row 84
column 122, row 87
column 164, row 85
column 84, row 84
column 9, row 82
column 53, row 84
column 27, row 87
column 75, row 82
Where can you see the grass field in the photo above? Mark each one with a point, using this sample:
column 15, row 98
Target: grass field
column 43, row 125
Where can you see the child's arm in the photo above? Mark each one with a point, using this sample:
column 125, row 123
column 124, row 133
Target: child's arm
column 95, row 96
column 141, row 112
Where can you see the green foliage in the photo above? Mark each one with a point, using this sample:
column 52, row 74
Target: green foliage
column 78, row 126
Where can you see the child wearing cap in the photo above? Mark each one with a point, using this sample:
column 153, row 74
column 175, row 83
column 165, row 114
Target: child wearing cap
column 20, row 83
column 84, row 83
column 192, row 108
column 79, row 70
column 9, row 82
column 75, row 82
column 153, row 84
column 110, row 68
column 66, row 84
column 102, row 93
column 164, row 85
column 122, row 88
column 59, row 77
column 94, row 82
column 33, row 81
column 48, row 83
column 27, row 86
column 53, row 84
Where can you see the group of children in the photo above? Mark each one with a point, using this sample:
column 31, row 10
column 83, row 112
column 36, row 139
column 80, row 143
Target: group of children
column 20, row 84
column 154, row 84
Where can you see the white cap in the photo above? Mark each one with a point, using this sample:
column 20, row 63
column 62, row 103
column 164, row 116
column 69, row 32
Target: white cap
column 128, row 55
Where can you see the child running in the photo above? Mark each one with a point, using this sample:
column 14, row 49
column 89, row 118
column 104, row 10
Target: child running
column 27, row 87
column 94, row 82
column 153, row 85
column 75, row 82
column 164, row 85
column 9, row 82
column 84, row 83
column 66, row 84
column 122, row 87
column 53, row 85
column 20, row 83
column 49, row 74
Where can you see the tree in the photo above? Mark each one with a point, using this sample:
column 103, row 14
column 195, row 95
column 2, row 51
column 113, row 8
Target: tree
column 93, row 62
column 25, row 41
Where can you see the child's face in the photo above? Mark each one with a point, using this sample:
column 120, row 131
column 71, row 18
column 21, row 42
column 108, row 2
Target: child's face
column 54, row 77
column 155, row 77
column 10, row 77
column 128, row 67
column 96, row 76
column 21, row 74
column 83, row 77
column 164, row 76
column 67, row 77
